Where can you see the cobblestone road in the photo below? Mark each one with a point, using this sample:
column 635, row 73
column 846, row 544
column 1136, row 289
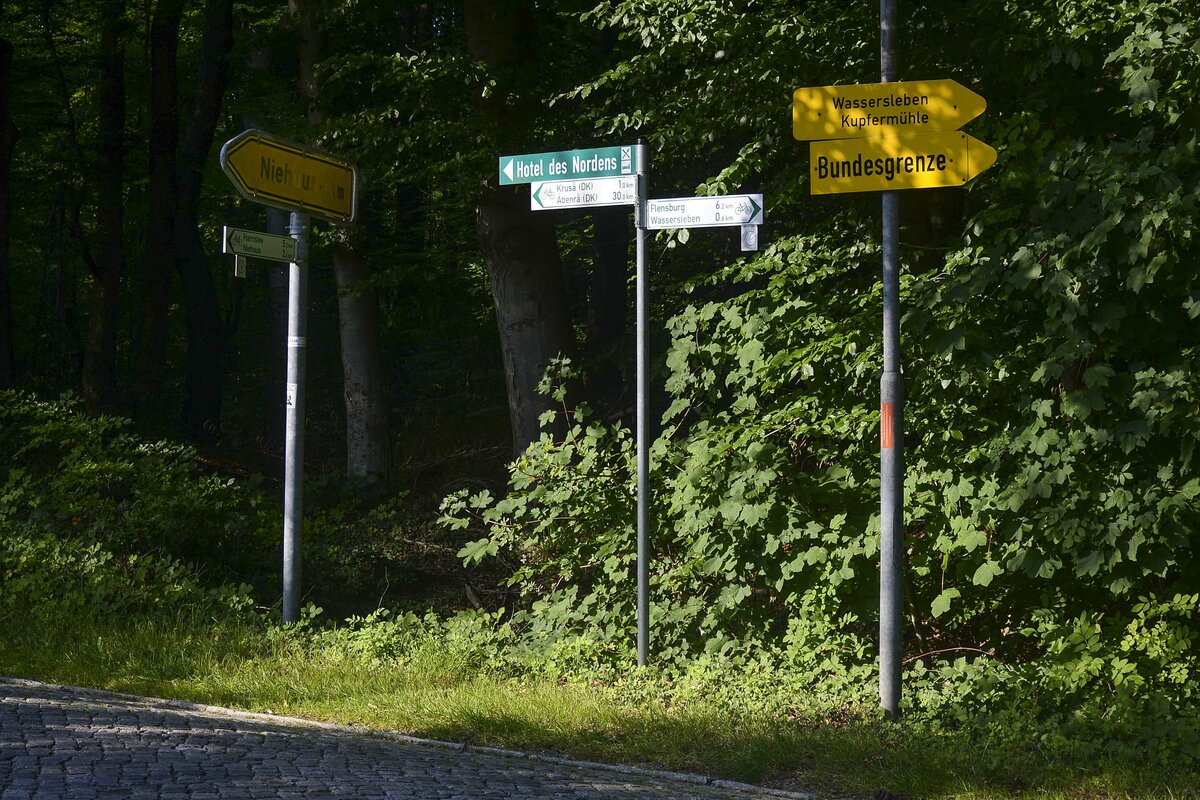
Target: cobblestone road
column 59, row 742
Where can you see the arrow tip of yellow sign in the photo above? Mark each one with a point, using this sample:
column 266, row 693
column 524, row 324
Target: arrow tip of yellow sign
column 980, row 156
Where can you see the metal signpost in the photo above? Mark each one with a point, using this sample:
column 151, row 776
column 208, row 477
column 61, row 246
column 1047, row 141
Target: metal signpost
column 891, row 420
column 642, row 434
column 885, row 137
column 609, row 176
column 306, row 181
column 601, row 177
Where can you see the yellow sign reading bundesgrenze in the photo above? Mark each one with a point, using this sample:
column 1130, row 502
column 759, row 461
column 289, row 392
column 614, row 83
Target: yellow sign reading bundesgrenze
column 275, row 172
column 913, row 161
column 869, row 110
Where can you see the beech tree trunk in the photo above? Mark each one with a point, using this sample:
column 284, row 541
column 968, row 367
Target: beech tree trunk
column 202, row 313
column 519, row 246
column 368, row 438
column 368, row 443
column 8, row 139
column 608, row 303
column 161, row 196
column 100, row 358
column 273, row 420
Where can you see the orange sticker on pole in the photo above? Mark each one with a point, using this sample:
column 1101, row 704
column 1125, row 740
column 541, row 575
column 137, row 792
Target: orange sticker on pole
column 886, row 426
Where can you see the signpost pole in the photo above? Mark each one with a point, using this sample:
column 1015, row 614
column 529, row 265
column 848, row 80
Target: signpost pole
column 293, row 478
column 304, row 181
column 643, row 416
column 891, row 545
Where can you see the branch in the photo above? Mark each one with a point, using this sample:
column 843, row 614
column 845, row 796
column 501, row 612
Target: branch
column 72, row 124
column 989, row 653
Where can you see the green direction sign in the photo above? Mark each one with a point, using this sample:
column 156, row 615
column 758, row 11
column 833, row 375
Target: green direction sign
column 597, row 162
column 711, row 211
column 242, row 242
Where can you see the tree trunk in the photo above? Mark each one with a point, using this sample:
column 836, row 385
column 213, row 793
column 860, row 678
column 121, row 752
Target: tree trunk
column 519, row 246
column 202, row 312
column 160, row 226
column 368, row 442
column 100, row 359
column 8, row 138
column 520, row 250
column 368, row 438
column 608, row 285
column 608, row 303
column 273, row 420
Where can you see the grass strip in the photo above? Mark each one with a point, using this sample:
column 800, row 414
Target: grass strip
column 437, row 695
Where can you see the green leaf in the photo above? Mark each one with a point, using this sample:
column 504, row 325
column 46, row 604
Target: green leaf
column 476, row 551
column 941, row 603
column 987, row 571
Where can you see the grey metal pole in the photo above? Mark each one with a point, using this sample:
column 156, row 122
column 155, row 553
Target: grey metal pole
column 293, row 469
column 891, row 385
column 643, row 416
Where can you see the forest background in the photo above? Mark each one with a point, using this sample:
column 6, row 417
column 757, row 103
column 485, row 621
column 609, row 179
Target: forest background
column 470, row 366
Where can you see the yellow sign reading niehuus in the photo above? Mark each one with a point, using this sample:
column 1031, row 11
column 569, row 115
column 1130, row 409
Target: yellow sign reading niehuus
column 913, row 161
column 868, row 110
column 275, row 172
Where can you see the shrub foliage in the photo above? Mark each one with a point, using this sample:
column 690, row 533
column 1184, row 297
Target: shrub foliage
column 96, row 520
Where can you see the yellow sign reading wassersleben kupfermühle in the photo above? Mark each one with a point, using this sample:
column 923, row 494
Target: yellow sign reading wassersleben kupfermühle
column 882, row 136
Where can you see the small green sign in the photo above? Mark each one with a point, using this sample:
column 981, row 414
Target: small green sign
column 242, row 242
column 597, row 162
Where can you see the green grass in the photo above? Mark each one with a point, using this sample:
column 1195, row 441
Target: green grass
column 437, row 694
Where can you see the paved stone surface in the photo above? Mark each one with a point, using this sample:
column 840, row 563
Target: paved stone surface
column 59, row 742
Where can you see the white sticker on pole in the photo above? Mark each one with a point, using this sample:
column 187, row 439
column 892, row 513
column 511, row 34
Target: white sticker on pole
column 749, row 238
column 291, row 394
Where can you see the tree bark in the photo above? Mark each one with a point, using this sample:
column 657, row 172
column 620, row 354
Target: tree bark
column 608, row 303
column 161, row 195
column 608, row 285
column 202, row 313
column 273, row 421
column 368, row 442
column 8, row 139
column 368, row 438
column 520, row 250
column 519, row 247
column 100, row 359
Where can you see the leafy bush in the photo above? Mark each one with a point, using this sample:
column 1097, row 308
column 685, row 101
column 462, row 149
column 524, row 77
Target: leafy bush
column 94, row 519
column 46, row 578
column 1105, row 686
column 461, row 645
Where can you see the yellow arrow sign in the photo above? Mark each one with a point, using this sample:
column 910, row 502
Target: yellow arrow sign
column 914, row 161
column 275, row 172
column 871, row 110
